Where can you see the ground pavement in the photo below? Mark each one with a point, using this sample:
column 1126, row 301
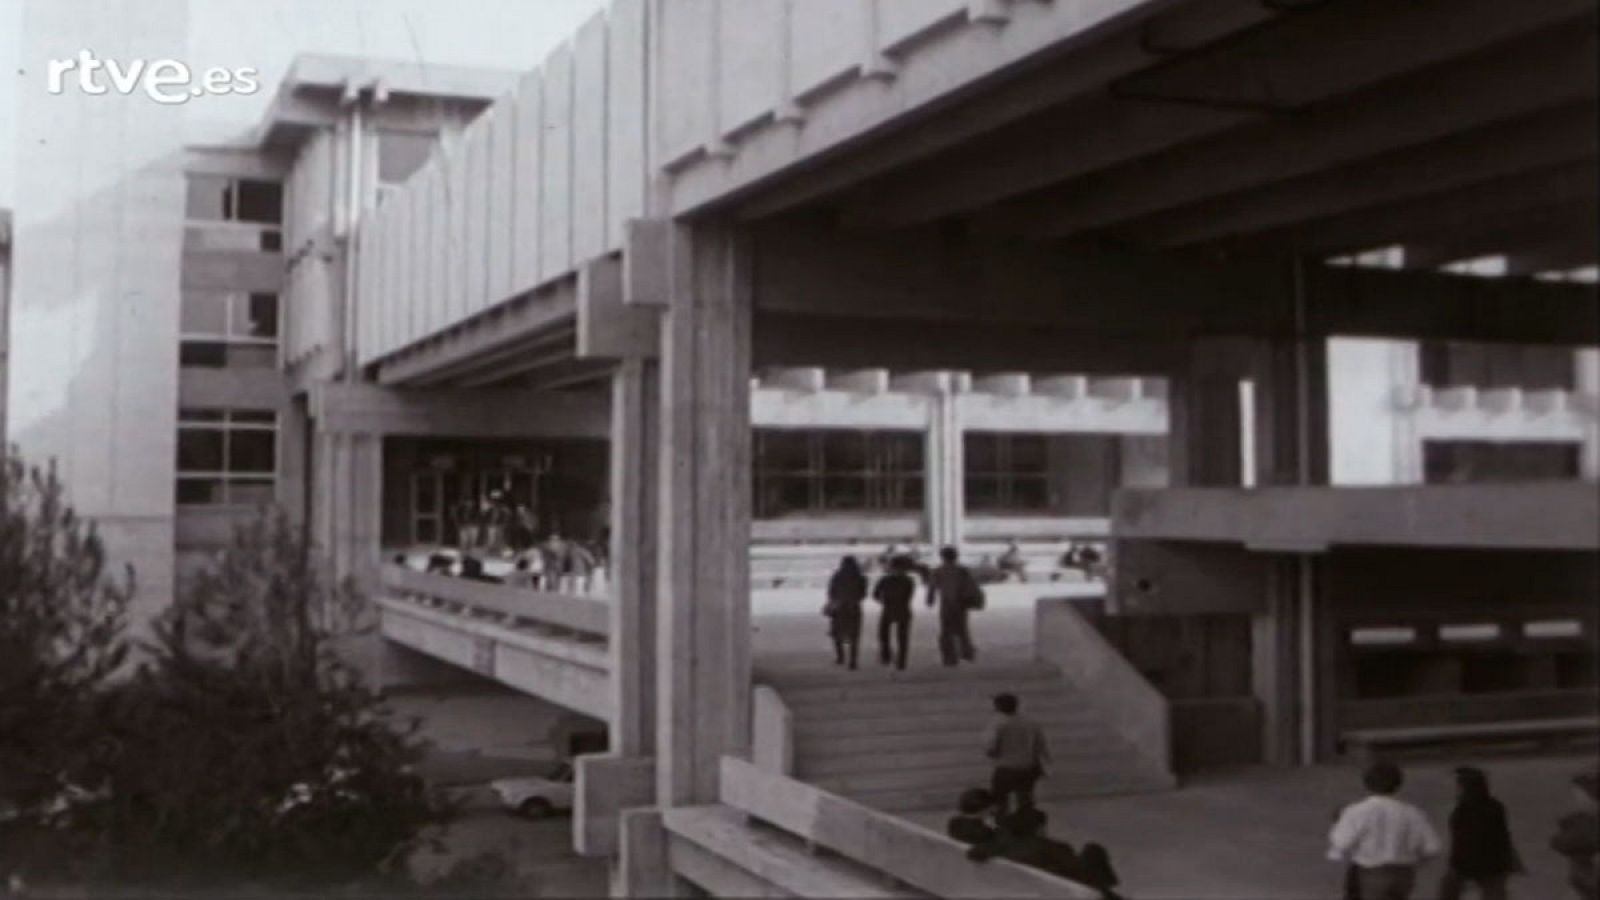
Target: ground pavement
column 1261, row 833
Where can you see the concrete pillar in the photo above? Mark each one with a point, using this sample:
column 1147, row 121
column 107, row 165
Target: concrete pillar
column 347, row 503
column 944, row 478
column 635, row 402
column 1587, row 383
column 703, row 578
column 1372, row 439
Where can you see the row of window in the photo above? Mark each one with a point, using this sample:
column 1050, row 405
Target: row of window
column 226, row 456
column 835, row 470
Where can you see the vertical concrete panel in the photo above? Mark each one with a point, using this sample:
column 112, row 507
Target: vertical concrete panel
column 589, row 141
column 475, row 250
column 684, row 47
column 828, row 42
column 626, row 163
column 456, row 246
column 751, row 74
column 555, row 194
column 98, row 231
column 900, row 21
column 438, row 307
column 525, row 212
column 1368, row 437
column 417, row 276
column 502, row 175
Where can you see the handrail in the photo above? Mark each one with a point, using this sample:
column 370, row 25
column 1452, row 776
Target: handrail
column 772, row 728
column 582, row 614
column 898, row 848
column 1140, row 713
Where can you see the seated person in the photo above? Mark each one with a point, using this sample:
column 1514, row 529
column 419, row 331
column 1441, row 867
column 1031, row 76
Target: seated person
column 1022, row 839
column 440, row 564
column 521, row 575
column 472, row 570
column 969, row 825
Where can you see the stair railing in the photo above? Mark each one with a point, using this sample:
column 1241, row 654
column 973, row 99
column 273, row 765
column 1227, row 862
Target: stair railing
column 1140, row 713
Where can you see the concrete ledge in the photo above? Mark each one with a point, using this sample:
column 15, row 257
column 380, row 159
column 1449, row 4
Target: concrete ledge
column 605, row 787
column 715, row 848
column 885, row 843
column 772, row 727
column 1545, row 515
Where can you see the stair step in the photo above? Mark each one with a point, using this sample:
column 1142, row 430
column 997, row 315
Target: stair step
column 1072, row 736
column 874, row 675
column 944, row 797
column 973, row 774
column 978, row 709
column 913, row 721
column 1107, row 755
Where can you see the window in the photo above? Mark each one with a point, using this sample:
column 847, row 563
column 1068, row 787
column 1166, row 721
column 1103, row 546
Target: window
column 226, row 457
column 1007, row 472
column 836, row 470
column 228, row 329
column 248, row 201
column 401, row 154
column 1478, row 462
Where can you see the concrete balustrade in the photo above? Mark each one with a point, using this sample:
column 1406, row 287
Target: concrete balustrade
column 1005, row 384
column 1065, row 639
column 808, row 380
column 1067, row 387
column 772, row 727
column 585, row 615
column 877, row 854
column 1455, row 399
column 862, row 381
column 1116, row 390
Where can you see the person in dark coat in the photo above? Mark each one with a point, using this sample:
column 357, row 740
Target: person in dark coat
column 955, row 591
column 1577, row 838
column 846, row 589
column 895, row 591
column 1481, row 852
column 970, row 825
column 1022, row 838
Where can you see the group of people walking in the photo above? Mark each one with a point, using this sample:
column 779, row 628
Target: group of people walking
column 951, row 588
column 1383, row 840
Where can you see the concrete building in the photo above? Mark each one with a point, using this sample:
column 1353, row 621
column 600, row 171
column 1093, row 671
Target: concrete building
column 698, row 230
column 5, row 300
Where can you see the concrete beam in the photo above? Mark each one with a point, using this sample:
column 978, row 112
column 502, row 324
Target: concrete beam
column 342, row 407
column 646, row 262
column 1006, row 384
column 1540, row 139
column 609, row 328
column 1306, row 58
column 1067, row 387
column 1116, row 390
column 1543, row 516
column 1556, row 66
column 839, row 342
column 808, row 379
column 935, row 382
column 606, row 785
column 504, row 329
column 1570, row 186
column 860, row 381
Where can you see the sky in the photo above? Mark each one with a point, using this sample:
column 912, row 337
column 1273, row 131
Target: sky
column 267, row 34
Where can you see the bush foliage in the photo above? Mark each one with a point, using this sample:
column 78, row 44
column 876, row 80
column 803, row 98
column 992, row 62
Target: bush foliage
column 238, row 748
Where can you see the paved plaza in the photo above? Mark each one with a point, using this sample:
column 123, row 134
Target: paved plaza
column 1261, row 833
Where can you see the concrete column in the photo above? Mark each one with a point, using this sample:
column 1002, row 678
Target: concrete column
column 635, row 405
column 1372, row 439
column 347, row 504
column 703, row 578
column 944, row 483
column 1587, row 383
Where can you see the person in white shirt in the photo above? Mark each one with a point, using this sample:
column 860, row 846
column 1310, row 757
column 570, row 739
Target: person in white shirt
column 1384, row 838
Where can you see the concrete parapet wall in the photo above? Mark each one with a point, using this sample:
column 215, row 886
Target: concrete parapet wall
column 1067, row 640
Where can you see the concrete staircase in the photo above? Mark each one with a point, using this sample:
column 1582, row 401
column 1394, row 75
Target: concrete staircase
column 902, row 741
